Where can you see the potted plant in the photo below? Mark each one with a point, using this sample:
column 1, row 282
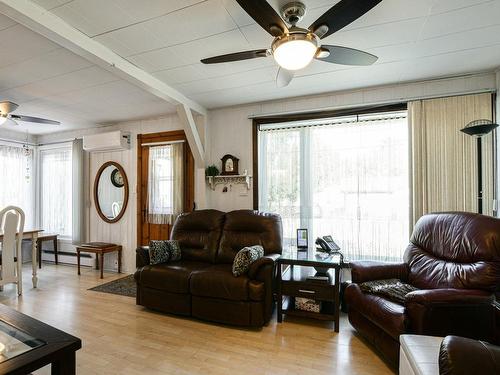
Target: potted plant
column 212, row 171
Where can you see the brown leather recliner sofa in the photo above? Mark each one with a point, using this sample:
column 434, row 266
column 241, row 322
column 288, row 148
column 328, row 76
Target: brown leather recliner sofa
column 454, row 259
column 462, row 356
column 201, row 284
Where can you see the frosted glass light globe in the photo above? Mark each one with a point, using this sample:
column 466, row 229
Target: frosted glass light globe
column 294, row 53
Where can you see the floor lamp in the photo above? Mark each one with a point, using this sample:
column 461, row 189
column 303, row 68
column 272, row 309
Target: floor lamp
column 479, row 129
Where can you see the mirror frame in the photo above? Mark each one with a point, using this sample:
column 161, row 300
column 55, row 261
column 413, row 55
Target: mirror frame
column 96, row 198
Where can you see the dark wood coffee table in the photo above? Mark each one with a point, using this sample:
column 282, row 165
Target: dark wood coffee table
column 294, row 267
column 34, row 344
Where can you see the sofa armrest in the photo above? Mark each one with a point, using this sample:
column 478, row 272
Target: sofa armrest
column 260, row 264
column 450, row 296
column 442, row 312
column 369, row 271
column 263, row 270
column 142, row 256
column 459, row 355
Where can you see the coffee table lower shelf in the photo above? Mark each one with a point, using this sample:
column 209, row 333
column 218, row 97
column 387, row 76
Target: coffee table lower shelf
column 326, row 313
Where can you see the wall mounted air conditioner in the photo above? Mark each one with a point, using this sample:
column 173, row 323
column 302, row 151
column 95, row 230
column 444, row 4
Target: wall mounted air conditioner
column 112, row 141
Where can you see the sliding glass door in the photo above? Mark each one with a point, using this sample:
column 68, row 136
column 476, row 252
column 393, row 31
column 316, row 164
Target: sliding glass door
column 347, row 177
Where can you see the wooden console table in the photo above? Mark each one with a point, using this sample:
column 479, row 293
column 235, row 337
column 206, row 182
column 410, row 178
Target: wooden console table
column 40, row 240
column 99, row 248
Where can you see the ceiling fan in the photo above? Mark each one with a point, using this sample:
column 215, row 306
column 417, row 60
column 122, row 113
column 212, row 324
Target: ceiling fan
column 5, row 115
column 293, row 48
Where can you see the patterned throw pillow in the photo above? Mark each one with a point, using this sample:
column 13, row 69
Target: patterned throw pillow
column 393, row 289
column 175, row 250
column 245, row 257
column 159, row 252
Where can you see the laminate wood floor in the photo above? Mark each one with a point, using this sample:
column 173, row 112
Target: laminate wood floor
column 122, row 338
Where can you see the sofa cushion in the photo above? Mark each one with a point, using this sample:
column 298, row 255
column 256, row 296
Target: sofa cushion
column 388, row 315
column 172, row 277
column 247, row 228
column 217, row 281
column 198, row 233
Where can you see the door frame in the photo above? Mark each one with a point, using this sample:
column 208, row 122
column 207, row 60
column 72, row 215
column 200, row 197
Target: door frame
column 142, row 166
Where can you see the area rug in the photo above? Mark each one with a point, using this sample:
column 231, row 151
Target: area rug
column 123, row 287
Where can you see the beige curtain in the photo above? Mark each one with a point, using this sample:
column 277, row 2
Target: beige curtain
column 444, row 160
column 178, row 180
column 165, row 183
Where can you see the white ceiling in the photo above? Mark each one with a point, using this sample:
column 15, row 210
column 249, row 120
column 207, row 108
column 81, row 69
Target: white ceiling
column 414, row 39
column 51, row 82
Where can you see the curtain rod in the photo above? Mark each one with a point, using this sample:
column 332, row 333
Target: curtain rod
column 17, row 142
column 370, row 105
column 356, row 119
column 35, row 144
column 162, row 143
column 57, row 142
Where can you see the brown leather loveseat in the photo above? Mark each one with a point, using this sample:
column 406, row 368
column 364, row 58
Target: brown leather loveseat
column 201, row 284
column 454, row 259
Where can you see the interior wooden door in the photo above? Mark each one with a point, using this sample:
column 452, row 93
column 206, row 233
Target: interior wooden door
column 145, row 230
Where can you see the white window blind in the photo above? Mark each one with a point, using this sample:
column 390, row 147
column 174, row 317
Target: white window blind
column 346, row 177
column 56, row 190
column 16, row 180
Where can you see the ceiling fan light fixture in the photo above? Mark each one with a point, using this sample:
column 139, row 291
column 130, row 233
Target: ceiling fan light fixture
column 295, row 51
column 322, row 53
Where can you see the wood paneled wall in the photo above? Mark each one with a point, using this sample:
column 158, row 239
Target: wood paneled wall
column 118, row 232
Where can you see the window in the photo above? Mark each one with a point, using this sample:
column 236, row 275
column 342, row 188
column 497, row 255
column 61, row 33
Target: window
column 165, row 192
column 55, row 190
column 347, row 177
column 16, row 180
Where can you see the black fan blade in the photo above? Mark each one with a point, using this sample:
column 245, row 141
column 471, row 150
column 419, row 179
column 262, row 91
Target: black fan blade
column 341, row 15
column 265, row 15
column 230, row 57
column 34, row 119
column 345, row 56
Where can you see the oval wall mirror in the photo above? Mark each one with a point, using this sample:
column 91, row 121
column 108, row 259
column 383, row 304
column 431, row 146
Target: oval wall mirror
column 111, row 192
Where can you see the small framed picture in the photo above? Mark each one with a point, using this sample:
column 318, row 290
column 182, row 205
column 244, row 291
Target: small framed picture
column 302, row 239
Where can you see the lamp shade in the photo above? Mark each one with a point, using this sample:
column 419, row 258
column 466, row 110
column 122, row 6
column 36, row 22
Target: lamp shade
column 295, row 51
column 479, row 128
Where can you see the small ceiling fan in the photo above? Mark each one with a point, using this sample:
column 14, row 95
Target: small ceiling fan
column 5, row 115
column 293, row 48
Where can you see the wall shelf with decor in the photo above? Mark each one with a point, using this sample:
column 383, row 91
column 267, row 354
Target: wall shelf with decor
column 213, row 181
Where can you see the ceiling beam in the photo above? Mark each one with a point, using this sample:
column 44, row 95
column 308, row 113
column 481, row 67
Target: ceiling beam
column 54, row 28
column 192, row 135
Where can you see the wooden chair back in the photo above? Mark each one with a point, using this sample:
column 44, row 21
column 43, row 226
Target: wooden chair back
column 11, row 227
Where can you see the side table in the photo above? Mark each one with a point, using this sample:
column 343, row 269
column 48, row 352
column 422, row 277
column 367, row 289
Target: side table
column 99, row 248
column 294, row 268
